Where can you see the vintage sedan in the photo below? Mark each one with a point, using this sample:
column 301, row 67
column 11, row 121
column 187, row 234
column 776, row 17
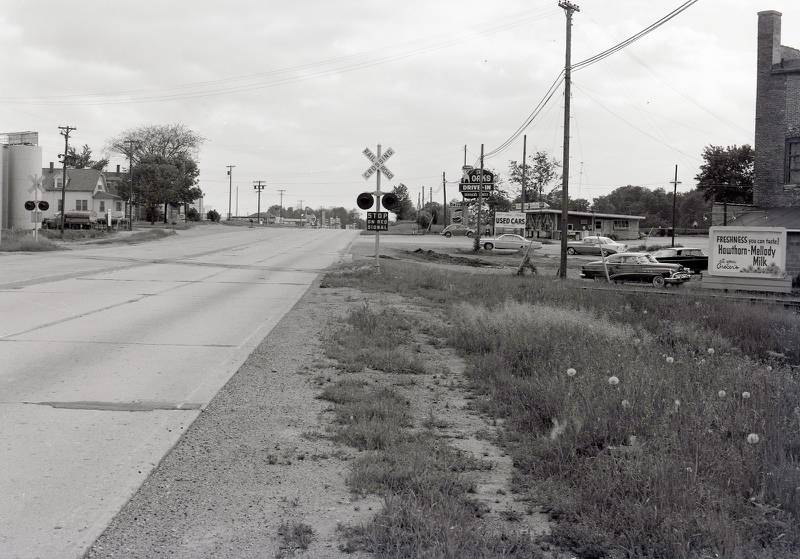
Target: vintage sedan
column 693, row 258
column 637, row 266
column 509, row 241
column 593, row 244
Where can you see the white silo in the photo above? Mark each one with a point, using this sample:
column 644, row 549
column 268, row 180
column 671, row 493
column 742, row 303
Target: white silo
column 20, row 165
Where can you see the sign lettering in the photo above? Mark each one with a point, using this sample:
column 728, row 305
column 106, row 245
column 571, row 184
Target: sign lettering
column 756, row 252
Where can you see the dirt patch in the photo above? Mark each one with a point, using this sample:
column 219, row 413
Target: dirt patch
column 433, row 256
column 259, row 475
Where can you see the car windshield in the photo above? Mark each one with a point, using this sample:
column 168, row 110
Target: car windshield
column 693, row 252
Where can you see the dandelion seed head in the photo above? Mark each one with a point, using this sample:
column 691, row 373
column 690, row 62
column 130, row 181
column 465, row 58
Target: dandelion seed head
column 670, row 359
column 644, row 311
column 571, row 372
column 745, row 395
column 626, row 404
column 722, row 393
column 613, row 381
column 752, row 438
column 769, row 367
column 677, row 404
column 711, row 351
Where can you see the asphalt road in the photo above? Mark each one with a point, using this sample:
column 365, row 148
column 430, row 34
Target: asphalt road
column 107, row 355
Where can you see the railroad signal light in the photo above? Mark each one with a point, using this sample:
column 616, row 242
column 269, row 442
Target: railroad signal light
column 30, row 205
column 43, row 205
column 365, row 200
column 390, row 201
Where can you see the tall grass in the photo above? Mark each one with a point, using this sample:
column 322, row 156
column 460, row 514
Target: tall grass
column 650, row 426
column 23, row 241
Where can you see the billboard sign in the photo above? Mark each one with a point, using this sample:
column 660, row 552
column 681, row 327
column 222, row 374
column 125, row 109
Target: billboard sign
column 510, row 220
column 755, row 252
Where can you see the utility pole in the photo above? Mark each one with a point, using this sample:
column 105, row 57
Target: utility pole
column 281, row 191
column 419, row 207
column 675, row 183
column 522, row 197
column 465, row 155
column 302, row 213
column 444, row 200
column 259, row 186
column 65, row 130
column 569, row 9
column 131, row 145
column 230, row 188
column 237, row 200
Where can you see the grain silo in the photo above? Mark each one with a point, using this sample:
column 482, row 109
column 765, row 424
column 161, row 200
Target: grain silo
column 20, row 166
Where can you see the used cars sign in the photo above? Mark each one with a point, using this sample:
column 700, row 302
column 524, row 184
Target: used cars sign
column 758, row 252
column 515, row 220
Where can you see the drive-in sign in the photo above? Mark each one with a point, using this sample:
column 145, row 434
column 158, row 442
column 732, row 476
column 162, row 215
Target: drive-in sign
column 515, row 220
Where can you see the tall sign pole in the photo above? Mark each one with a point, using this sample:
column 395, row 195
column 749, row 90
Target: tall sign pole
column 569, row 8
column 675, row 183
column 65, row 130
column 524, row 169
column 477, row 244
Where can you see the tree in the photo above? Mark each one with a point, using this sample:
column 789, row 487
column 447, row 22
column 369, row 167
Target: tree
column 424, row 219
column 154, row 177
column 163, row 157
column 83, row 160
column 213, row 215
column 405, row 208
column 726, row 174
column 541, row 171
column 192, row 215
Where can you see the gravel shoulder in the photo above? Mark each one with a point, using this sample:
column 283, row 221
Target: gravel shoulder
column 260, row 457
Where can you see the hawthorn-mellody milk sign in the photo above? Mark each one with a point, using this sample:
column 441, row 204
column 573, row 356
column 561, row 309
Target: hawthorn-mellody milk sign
column 747, row 252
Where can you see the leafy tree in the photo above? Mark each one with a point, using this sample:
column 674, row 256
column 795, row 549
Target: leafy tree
column 541, row 171
column 154, row 176
column 163, row 158
column 405, row 209
column 213, row 215
column 192, row 215
column 424, row 218
column 83, row 160
column 726, row 174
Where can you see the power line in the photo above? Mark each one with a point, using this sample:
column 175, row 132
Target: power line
column 635, row 37
column 583, row 64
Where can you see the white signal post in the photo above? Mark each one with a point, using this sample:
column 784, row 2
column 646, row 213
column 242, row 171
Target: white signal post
column 377, row 167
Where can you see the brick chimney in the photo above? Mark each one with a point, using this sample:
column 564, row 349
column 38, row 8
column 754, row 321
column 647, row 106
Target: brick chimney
column 118, row 169
column 770, row 121
column 52, row 165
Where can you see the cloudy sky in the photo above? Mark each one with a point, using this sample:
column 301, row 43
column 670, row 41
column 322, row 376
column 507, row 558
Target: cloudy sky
column 292, row 92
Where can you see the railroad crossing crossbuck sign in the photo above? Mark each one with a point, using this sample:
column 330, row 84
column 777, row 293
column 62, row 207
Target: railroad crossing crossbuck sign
column 378, row 163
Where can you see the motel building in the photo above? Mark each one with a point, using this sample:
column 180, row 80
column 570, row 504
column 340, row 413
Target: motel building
column 543, row 222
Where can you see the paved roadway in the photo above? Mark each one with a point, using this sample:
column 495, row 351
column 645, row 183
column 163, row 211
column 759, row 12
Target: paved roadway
column 107, row 354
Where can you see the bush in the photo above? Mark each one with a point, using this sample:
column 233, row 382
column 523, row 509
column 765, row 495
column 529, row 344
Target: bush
column 192, row 215
column 213, row 215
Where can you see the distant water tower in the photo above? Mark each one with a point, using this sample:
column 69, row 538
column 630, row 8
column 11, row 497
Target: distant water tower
column 20, row 166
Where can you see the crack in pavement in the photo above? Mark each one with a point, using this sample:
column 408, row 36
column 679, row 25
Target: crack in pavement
column 135, row 406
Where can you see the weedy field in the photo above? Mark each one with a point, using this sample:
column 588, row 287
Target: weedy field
column 646, row 426
column 23, row 241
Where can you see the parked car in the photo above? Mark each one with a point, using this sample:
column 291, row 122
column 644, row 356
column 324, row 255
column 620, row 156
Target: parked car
column 693, row 258
column 509, row 241
column 457, row 229
column 592, row 245
column 75, row 219
column 637, row 266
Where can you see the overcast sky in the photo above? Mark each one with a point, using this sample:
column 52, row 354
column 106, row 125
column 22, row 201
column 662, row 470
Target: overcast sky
column 292, row 92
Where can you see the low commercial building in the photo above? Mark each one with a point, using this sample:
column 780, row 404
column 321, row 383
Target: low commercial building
column 545, row 223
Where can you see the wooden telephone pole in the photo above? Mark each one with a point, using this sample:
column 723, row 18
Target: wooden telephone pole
column 569, row 8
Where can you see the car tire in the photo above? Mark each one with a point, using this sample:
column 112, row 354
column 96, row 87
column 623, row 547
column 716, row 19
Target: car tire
column 571, row 251
column 448, row 234
column 469, row 234
column 488, row 246
column 658, row 281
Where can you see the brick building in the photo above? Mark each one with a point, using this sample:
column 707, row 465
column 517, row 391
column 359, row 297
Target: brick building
column 776, row 191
